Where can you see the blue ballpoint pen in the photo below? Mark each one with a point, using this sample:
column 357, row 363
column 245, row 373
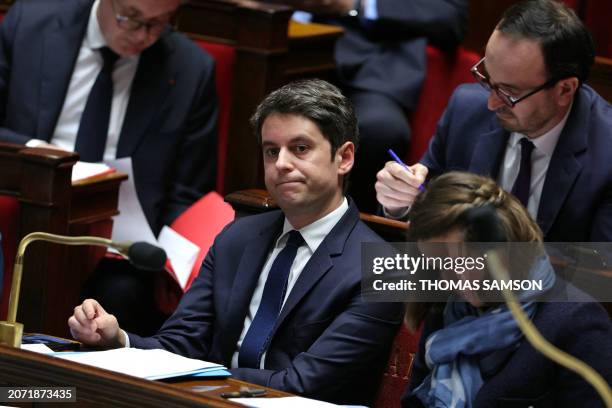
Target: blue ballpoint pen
column 401, row 163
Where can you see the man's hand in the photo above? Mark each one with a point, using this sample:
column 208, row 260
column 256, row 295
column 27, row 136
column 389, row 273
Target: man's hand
column 323, row 6
column 91, row 325
column 397, row 188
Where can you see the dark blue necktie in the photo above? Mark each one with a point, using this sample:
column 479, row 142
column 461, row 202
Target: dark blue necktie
column 258, row 336
column 93, row 129
column 522, row 184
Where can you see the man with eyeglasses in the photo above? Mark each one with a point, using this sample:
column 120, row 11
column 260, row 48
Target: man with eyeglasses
column 110, row 79
column 531, row 123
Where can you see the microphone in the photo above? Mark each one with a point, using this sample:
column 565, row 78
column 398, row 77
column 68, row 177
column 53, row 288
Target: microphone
column 146, row 256
column 141, row 254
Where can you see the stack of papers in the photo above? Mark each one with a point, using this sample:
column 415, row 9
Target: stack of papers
column 294, row 402
column 149, row 364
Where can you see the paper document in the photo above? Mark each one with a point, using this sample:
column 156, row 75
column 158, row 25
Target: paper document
column 293, row 402
column 37, row 348
column 84, row 170
column 181, row 252
column 131, row 223
column 150, row 364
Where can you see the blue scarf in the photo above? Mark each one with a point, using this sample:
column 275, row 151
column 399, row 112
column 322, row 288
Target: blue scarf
column 472, row 343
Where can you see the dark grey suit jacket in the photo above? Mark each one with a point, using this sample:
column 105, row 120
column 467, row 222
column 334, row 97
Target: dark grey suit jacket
column 576, row 203
column 170, row 124
column 388, row 55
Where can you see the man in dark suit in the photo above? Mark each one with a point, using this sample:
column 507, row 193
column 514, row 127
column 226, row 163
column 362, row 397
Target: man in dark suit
column 380, row 65
column 535, row 127
column 302, row 327
column 161, row 105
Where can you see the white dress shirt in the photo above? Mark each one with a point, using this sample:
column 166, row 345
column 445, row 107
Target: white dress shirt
column 86, row 69
column 313, row 235
column 540, row 159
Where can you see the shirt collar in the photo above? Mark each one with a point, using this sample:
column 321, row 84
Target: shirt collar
column 548, row 141
column 316, row 232
column 94, row 38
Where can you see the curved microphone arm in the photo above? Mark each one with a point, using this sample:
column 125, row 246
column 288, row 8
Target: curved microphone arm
column 538, row 341
column 11, row 331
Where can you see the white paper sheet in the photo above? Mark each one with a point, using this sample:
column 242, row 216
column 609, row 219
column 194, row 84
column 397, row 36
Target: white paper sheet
column 293, row 402
column 131, row 223
column 37, row 348
column 149, row 364
column 181, row 252
column 83, row 170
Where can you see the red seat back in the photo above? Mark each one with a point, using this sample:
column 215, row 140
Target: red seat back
column 224, row 56
column 445, row 71
column 397, row 374
column 200, row 224
column 9, row 228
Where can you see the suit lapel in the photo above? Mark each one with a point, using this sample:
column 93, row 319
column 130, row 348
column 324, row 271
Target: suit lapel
column 149, row 89
column 245, row 280
column 489, row 151
column 60, row 50
column 565, row 163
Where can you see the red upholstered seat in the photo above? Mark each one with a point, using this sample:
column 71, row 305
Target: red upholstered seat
column 9, row 228
column 224, row 56
column 445, row 71
column 397, row 374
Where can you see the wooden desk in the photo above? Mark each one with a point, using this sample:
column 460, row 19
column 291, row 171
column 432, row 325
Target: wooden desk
column 96, row 387
column 53, row 275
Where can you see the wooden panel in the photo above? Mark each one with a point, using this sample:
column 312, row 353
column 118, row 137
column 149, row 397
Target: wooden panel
column 53, row 275
column 601, row 77
column 100, row 388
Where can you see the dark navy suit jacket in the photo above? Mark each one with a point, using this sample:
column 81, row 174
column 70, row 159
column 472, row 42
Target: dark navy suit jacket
column 576, row 203
column 327, row 343
column 529, row 379
column 170, row 123
column 388, row 55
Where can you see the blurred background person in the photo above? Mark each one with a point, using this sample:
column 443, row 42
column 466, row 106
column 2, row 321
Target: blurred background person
column 531, row 123
column 472, row 354
column 380, row 66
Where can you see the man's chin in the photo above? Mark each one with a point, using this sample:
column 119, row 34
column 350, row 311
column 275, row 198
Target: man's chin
column 506, row 122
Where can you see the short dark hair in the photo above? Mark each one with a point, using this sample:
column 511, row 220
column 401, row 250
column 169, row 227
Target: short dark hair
column 567, row 44
column 317, row 100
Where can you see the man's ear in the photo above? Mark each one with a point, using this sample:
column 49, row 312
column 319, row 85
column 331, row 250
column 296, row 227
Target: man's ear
column 566, row 89
column 345, row 157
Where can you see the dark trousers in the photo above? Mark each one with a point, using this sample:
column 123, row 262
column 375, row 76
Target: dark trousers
column 383, row 125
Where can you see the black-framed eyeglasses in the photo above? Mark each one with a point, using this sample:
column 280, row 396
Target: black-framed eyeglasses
column 505, row 97
column 134, row 24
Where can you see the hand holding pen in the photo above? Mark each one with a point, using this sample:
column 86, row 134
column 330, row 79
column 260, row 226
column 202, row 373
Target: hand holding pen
column 398, row 185
column 404, row 165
